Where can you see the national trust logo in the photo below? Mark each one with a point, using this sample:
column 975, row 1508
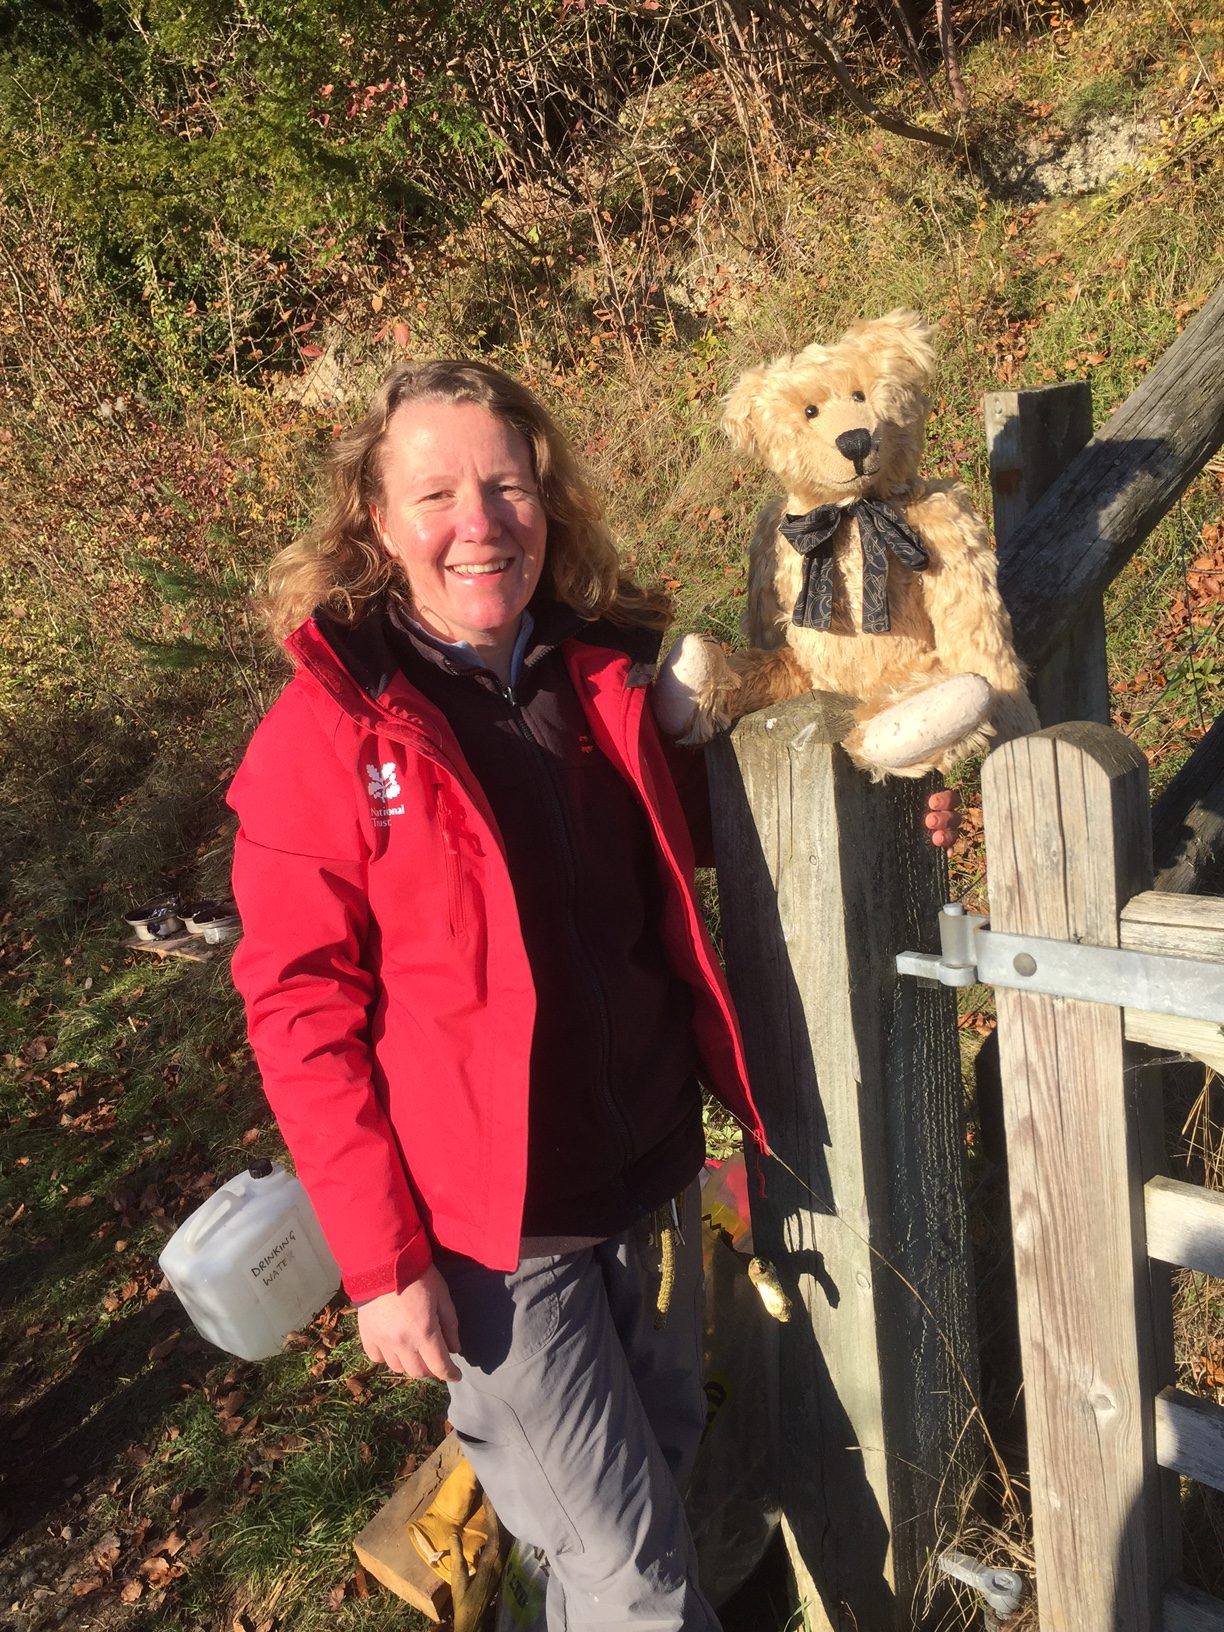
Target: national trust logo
column 384, row 783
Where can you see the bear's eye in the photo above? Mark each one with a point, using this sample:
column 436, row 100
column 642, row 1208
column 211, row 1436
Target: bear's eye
column 857, row 396
column 811, row 410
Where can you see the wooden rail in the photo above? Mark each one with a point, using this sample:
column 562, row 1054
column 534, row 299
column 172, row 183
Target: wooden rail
column 1190, row 1436
column 1193, row 927
column 1188, row 1610
column 1075, row 540
column 1185, row 1225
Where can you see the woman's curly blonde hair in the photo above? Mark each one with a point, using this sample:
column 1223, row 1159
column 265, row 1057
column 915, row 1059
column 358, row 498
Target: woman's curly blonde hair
column 338, row 564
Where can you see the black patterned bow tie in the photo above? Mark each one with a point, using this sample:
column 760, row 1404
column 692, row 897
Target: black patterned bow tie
column 881, row 531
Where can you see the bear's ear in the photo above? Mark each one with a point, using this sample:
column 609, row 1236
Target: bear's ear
column 739, row 416
column 900, row 345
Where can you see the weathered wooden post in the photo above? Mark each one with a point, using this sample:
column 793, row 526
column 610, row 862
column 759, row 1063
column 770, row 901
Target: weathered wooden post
column 1067, row 836
column 1032, row 436
column 823, row 878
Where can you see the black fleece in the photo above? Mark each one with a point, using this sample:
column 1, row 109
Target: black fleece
column 614, row 1123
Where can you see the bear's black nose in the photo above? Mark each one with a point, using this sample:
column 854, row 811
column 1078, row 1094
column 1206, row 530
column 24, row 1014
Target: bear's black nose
column 855, row 446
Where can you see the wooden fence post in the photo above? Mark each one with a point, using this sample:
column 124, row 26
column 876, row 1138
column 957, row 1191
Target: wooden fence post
column 823, row 878
column 1067, row 836
column 1032, row 436
column 1188, row 820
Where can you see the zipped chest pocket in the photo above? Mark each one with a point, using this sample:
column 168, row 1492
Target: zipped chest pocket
column 456, row 893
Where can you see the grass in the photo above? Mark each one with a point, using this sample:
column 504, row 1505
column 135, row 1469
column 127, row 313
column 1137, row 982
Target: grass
column 132, row 1097
column 306, row 1469
column 196, row 1492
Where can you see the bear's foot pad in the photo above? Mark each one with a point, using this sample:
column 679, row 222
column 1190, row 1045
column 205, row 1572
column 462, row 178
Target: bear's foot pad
column 922, row 726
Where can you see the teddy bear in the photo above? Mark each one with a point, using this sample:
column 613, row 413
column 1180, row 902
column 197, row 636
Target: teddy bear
column 867, row 580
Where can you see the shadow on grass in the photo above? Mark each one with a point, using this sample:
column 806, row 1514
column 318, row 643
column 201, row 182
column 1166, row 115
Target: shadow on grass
column 108, row 1402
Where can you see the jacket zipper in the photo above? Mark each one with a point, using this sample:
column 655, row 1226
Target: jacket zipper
column 603, row 1021
column 455, row 898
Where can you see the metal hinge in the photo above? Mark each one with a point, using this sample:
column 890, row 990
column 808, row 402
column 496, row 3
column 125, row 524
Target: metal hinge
column 972, row 953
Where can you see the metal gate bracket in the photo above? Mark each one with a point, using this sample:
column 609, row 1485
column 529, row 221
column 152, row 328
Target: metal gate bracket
column 972, row 953
column 1002, row 1590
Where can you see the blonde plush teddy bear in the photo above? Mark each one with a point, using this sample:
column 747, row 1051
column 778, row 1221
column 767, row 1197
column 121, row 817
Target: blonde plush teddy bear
column 867, row 580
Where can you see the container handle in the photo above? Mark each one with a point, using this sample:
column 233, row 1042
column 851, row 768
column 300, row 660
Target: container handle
column 208, row 1218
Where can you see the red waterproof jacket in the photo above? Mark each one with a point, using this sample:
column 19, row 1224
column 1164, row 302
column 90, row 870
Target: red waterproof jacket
column 389, row 999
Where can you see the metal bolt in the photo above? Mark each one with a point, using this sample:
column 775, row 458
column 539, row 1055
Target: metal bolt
column 1002, row 1590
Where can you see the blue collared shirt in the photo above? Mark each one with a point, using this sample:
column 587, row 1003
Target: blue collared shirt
column 461, row 651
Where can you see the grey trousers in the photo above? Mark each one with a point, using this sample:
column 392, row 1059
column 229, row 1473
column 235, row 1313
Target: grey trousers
column 581, row 1419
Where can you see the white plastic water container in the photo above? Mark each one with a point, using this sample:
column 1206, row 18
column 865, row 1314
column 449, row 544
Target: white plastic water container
column 251, row 1265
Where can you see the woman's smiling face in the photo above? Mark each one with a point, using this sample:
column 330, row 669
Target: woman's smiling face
column 461, row 513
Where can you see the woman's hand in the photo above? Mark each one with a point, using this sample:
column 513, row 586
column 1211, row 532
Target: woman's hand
column 942, row 820
column 414, row 1331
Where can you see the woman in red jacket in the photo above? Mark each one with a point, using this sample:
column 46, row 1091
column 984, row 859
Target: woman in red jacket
column 478, row 985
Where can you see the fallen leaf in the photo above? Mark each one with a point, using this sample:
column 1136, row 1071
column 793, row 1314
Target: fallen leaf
column 131, row 1590
column 158, row 1571
column 287, row 1446
column 106, row 1551
column 159, row 1351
